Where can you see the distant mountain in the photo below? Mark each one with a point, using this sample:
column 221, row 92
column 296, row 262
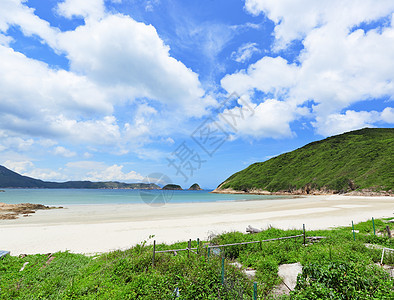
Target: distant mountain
column 360, row 161
column 11, row 179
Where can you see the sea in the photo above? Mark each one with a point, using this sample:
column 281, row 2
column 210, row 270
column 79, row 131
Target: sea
column 63, row 197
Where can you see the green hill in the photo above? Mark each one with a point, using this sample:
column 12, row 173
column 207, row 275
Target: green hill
column 172, row 187
column 11, row 179
column 358, row 160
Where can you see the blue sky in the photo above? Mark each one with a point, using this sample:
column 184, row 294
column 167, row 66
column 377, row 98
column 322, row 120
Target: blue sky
column 197, row 90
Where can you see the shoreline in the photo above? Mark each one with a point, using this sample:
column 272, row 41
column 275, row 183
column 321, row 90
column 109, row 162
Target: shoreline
column 95, row 229
column 300, row 192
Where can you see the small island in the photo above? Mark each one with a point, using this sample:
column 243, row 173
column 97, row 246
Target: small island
column 195, row 187
column 172, row 187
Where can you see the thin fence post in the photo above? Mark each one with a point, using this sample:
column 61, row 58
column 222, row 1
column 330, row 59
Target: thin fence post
column 255, row 290
column 209, row 252
column 354, row 234
column 198, row 245
column 154, row 249
column 189, row 245
column 373, row 225
column 381, row 261
column 303, row 229
column 388, row 231
column 222, row 270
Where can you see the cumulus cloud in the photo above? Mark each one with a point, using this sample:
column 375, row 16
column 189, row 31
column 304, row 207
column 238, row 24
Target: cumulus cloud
column 295, row 19
column 14, row 143
column 15, row 12
column 387, row 115
column 18, row 166
column 340, row 64
column 90, row 9
column 350, row 120
column 114, row 61
column 79, row 170
column 270, row 118
column 98, row 171
column 44, row 96
column 270, row 75
column 59, row 150
column 114, row 173
column 46, row 174
column 129, row 59
column 27, row 168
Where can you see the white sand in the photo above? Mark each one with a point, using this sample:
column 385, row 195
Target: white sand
column 101, row 228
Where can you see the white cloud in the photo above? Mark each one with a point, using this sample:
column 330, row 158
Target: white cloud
column 130, row 60
column 87, row 155
column 18, row 166
column 245, row 52
column 15, row 143
column 59, row 150
column 114, row 173
column 5, row 40
column 340, row 123
column 114, row 61
column 45, row 174
column 89, row 9
column 150, row 4
column 270, row 118
column 45, row 96
column 271, row 75
column 46, row 143
column 14, row 12
column 295, row 19
column 27, row 168
column 339, row 65
column 387, row 115
column 98, row 171
column 98, row 132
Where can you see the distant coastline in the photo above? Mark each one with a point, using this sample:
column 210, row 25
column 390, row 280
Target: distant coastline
column 303, row 192
column 10, row 179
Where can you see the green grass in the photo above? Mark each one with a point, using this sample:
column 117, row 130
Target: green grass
column 337, row 267
column 356, row 160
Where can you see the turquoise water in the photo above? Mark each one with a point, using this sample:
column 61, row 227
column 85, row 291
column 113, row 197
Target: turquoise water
column 80, row 196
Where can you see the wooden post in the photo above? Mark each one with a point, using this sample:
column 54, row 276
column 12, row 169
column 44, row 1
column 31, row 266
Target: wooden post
column 154, row 250
column 373, row 225
column 388, row 231
column 303, row 229
column 222, row 270
column 255, row 290
column 198, row 245
column 354, row 234
column 189, row 245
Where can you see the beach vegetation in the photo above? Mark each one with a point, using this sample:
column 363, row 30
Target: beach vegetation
column 338, row 266
column 360, row 160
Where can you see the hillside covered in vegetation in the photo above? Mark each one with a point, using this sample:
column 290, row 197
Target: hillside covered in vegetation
column 360, row 160
column 11, row 179
column 340, row 266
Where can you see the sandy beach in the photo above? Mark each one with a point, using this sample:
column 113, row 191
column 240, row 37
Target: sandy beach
column 100, row 228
